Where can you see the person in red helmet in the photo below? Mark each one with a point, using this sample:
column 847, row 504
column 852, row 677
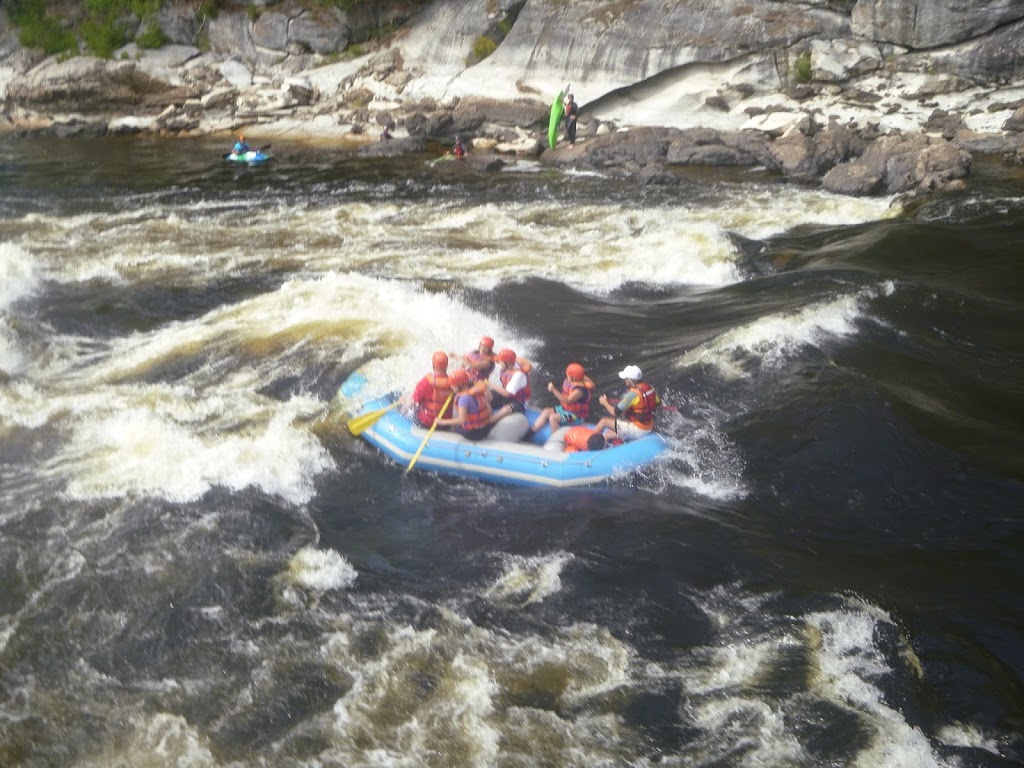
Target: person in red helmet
column 432, row 391
column 472, row 418
column 511, row 394
column 479, row 362
column 573, row 400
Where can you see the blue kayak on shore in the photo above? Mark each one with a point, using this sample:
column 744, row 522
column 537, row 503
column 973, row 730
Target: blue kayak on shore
column 540, row 462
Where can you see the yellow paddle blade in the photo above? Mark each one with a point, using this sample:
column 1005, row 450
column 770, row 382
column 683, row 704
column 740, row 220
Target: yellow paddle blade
column 357, row 424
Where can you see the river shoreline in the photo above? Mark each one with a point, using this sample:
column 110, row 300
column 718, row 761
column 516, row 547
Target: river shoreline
column 854, row 123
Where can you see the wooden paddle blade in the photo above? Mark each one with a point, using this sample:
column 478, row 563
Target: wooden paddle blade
column 358, row 424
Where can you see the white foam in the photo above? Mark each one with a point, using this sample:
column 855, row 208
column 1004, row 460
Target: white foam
column 11, row 357
column 140, row 451
column 849, row 661
column 19, row 279
column 19, row 275
column 770, row 341
column 531, row 578
column 157, row 741
column 320, row 570
column 969, row 735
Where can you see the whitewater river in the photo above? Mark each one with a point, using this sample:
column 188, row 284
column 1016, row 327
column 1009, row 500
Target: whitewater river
column 200, row 567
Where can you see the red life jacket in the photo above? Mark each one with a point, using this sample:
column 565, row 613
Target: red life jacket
column 482, row 417
column 641, row 412
column 581, row 407
column 523, row 394
column 431, row 409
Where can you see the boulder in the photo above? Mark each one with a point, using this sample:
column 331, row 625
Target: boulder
column 853, row 179
column 323, row 32
column 236, row 73
column 1015, row 122
column 914, row 161
column 839, row 60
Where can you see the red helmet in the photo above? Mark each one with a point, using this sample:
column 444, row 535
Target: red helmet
column 507, row 356
column 487, row 341
column 439, row 360
column 575, row 372
column 459, row 378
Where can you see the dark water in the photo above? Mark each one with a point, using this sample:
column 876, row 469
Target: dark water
column 200, row 567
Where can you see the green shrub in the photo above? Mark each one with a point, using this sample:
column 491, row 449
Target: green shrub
column 151, row 37
column 802, row 69
column 37, row 29
column 209, row 8
column 103, row 37
column 482, row 48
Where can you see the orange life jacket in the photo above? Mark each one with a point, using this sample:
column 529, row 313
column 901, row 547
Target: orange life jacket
column 431, row 409
column 581, row 407
column 576, row 439
column 482, row 417
column 641, row 412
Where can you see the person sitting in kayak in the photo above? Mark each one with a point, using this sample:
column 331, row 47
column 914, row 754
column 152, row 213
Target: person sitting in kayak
column 513, row 391
column 472, row 417
column 583, row 439
column 240, row 146
column 479, row 363
column 573, row 400
column 633, row 416
column 459, row 150
column 432, row 391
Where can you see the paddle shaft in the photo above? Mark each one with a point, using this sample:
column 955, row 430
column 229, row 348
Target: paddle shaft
column 429, row 433
column 662, row 406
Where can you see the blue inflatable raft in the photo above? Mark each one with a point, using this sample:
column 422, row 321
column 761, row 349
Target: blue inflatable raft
column 500, row 458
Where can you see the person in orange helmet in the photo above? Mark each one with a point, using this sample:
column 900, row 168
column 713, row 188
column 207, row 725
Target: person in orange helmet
column 472, row 418
column 479, row 362
column 432, row 391
column 240, row 146
column 573, row 400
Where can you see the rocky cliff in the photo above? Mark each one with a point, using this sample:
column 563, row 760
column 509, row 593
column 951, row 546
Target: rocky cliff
column 870, row 96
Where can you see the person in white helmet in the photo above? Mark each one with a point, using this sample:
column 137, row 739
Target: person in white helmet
column 633, row 416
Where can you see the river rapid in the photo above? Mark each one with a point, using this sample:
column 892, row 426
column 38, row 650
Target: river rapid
column 200, row 567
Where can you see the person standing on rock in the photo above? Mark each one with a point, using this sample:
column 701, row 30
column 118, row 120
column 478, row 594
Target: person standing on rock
column 572, row 111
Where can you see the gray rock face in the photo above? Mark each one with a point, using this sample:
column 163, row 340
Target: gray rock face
column 931, row 23
column 601, row 46
column 85, row 84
